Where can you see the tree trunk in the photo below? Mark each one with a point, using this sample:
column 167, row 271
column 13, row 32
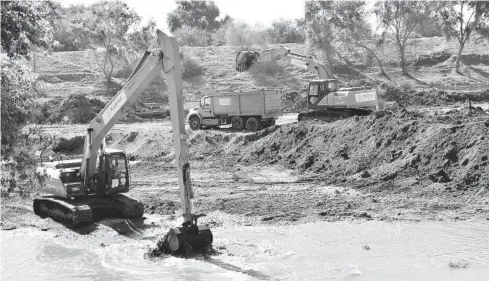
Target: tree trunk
column 457, row 63
column 375, row 56
column 403, row 61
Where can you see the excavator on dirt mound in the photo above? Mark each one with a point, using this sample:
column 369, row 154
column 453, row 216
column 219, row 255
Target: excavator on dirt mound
column 325, row 101
column 88, row 188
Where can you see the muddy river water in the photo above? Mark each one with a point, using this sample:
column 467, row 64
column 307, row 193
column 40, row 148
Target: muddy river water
column 358, row 250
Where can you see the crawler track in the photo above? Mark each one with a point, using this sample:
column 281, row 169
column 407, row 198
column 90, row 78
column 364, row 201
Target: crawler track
column 79, row 212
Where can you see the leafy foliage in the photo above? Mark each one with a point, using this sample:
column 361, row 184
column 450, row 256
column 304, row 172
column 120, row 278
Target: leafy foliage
column 17, row 102
column 324, row 21
column 354, row 31
column 25, row 23
column 197, row 14
column 142, row 38
column 190, row 67
column 401, row 19
column 106, row 25
column 241, row 34
column 286, row 31
column 459, row 20
column 191, row 36
column 67, row 37
column 483, row 22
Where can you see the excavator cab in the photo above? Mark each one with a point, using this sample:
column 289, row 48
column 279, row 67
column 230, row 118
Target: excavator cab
column 318, row 89
column 113, row 172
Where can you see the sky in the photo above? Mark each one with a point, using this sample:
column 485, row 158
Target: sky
column 250, row 11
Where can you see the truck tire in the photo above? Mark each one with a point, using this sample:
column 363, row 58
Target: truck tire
column 237, row 123
column 253, row 124
column 194, row 123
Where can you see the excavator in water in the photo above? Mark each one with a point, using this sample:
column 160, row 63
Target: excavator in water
column 83, row 189
column 325, row 101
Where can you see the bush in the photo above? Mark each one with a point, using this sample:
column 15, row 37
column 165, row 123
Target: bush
column 242, row 35
column 285, row 31
column 190, row 67
column 190, row 36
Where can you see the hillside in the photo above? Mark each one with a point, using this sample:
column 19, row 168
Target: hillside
column 212, row 69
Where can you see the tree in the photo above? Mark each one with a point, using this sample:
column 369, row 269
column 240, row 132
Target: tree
column 320, row 30
column 106, row 25
column 143, row 37
column 483, row 23
column 25, row 23
column 197, row 14
column 191, row 36
column 459, row 20
column 17, row 101
column 239, row 34
column 285, row 31
column 401, row 19
column 354, row 30
column 65, row 35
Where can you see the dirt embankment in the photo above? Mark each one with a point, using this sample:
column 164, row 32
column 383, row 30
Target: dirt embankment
column 383, row 147
column 386, row 146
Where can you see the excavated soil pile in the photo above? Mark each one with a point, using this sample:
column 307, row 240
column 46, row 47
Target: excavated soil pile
column 429, row 97
column 384, row 146
column 76, row 109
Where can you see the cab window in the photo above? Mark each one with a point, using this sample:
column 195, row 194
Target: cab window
column 207, row 101
column 313, row 89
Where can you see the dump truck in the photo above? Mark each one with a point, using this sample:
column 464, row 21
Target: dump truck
column 253, row 110
column 325, row 100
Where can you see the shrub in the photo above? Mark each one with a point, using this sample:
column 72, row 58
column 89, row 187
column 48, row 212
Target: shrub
column 190, row 67
column 191, row 36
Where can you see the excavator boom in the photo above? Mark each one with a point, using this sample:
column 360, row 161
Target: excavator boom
column 244, row 60
column 149, row 66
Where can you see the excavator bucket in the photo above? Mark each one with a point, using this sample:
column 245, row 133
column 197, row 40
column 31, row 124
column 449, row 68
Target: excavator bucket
column 245, row 59
column 190, row 237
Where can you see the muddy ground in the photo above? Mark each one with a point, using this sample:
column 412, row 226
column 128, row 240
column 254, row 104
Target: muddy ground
column 393, row 165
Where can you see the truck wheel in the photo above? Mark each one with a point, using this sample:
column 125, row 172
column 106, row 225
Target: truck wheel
column 237, row 123
column 253, row 124
column 194, row 123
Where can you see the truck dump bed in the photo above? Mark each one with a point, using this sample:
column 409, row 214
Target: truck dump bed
column 264, row 103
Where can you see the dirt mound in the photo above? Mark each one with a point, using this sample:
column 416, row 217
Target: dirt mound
column 74, row 109
column 432, row 59
column 69, row 146
column 429, row 97
column 384, row 146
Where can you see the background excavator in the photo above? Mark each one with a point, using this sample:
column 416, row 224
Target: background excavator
column 325, row 101
column 82, row 188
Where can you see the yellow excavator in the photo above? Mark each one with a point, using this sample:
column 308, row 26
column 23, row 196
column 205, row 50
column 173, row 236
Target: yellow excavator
column 325, row 101
column 83, row 189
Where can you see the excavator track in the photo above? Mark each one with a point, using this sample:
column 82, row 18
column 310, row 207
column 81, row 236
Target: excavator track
column 60, row 210
column 79, row 212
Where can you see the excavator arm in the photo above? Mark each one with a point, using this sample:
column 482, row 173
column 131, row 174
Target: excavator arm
column 148, row 67
column 245, row 59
